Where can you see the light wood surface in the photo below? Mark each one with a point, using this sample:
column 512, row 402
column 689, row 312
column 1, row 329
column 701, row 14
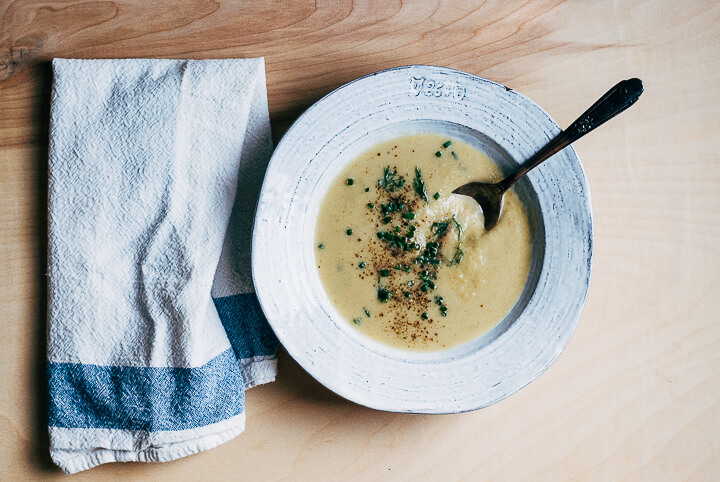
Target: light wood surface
column 636, row 394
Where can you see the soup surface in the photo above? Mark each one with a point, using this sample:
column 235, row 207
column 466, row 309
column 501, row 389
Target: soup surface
column 408, row 263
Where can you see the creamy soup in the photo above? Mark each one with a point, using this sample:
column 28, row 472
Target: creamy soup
column 410, row 264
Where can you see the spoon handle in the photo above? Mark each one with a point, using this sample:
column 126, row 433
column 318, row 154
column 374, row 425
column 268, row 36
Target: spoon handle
column 615, row 100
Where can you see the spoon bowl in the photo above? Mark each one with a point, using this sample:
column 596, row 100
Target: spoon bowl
column 490, row 198
column 490, row 195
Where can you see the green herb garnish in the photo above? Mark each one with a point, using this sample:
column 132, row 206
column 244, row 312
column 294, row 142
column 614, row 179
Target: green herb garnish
column 384, row 294
column 391, row 181
column 371, row 205
column 424, row 316
column 457, row 257
column 447, row 144
column 362, row 264
column 384, row 272
column 452, row 153
column 429, row 255
column 408, row 215
column 436, row 196
column 367, row 313
column 457, row 226
column 321, row 246
column 438, row 154
column 440, row 229
column 350, row 181
column 391, row 207
column 396, row 240
column 356, row 321
column 419, row 185
column 349, row 232
column 427, row 280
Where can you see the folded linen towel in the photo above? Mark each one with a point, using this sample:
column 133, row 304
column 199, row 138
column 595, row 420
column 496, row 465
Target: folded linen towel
column 154, row 330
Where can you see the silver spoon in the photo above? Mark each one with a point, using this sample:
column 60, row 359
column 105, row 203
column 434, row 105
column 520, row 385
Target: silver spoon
column 490, row 196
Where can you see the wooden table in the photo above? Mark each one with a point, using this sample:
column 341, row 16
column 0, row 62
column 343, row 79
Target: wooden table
column 636, row 394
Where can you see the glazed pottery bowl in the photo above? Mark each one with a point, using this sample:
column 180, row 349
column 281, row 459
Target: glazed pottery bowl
column 509, row 128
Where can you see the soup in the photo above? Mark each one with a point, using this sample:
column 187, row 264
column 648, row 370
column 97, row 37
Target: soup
column 409, row 264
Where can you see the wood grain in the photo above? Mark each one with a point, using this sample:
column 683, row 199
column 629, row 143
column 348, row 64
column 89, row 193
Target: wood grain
column 636, row 394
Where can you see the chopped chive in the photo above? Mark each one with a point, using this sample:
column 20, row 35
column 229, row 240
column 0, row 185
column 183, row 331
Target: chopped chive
column 349, row 232
column 438, row 154
column 407, row 294
column 350, row 181
column 408, row 215
column 384, row 294
column 371, row 205
column 362, row 264
column 367, row 313
column 397, row 229
column 367, row 189
column 424, row 316
column 447, row 144
column 321, row 246
column 436, row 196
column 384, row 272
column 453, row 154
column 407, row 270
column 356, row 321
column 386, row 219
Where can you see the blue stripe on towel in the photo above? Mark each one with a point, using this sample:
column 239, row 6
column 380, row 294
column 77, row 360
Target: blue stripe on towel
column 249, row 332
column 142, row 398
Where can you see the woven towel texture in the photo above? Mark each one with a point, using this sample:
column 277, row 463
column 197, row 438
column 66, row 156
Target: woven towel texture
column 154, row 330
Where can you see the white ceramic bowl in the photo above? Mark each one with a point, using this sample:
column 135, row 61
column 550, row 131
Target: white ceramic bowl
column 509, row 128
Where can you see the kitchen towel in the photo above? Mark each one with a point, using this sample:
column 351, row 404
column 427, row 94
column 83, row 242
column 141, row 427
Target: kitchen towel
column 154, row 331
